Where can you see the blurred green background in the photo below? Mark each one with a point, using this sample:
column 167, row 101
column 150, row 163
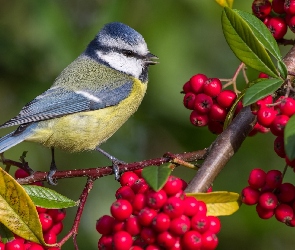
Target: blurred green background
column 40, row 38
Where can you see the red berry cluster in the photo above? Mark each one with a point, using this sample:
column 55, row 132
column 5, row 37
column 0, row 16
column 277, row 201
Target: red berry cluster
column 210, row 104
column 271, row 196
column 278, row 21
column 51, row 222
column 166, row 219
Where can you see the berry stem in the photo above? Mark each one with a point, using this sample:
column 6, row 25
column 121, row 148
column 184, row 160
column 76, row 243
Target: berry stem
column 82, row 200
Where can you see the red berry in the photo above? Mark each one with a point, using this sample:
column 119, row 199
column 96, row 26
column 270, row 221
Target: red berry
column 197, row 83
column 57, row 214
column 136, row 248
column 278, row 6
column 126, row 193
column 179, row 226
column 15, row 244
column 238, row 107
column 226, row 98
column 284, row 213
column 35, row 246
column 146, row 216
column 173, row 185
column 189, row 100
column 263, row 75
column 105, row 242
column 46, row 221
column 139, row 202
column 148, row 235
column 140, row 186
column 174, row 207
column 132, row 226
column 50, row 238
column 215, row 127
column 277, row 27
column 202, row 208
column 291, row 23
column 198, row 119
column 203, row 103
column 191, row 240
column 212, row 87
column 122, row 240
column 121, row 209
column 268, row 200
column 289, row 7
column 250, row 196
column 118, row 226
column 187, row 87
column 166, row 240
column 289, row 162
column 128, row 178
column 278, row 125
column 214, row 224
column 161, row 222
column 200, row 223
column 209, row 240
column 287, row 106
column 257, row 178
column 265, row 116
column 41, row 210
column 104, row 224
column 285, row 192
column 20, row 173
column 191, row 206
column 261, row 8
column 273, row 178
column 156, row 199
column 2, row 246
column 279, row 146
column 153, row 247
column 56, row 228
column 264, row 213
column 217, row 113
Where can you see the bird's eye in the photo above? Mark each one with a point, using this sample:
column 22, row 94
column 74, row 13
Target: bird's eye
column 128, row 53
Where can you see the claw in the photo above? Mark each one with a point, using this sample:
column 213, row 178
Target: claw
column 52, row 170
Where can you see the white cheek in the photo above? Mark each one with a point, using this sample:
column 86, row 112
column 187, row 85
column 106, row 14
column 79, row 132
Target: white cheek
column 128, row 65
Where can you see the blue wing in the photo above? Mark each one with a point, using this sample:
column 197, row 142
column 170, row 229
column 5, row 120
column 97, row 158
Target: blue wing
column 58, row 101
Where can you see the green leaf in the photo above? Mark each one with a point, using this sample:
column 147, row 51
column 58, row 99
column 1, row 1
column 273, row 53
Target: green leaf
column 262, row 33
column 282, row 68
column 261, row 89
column 225, row 3
column 155, row 176
column 245, row 44
column 48, row 198
column 17, row 211
column 6, row 234
column 289, row 138
column 219, row 203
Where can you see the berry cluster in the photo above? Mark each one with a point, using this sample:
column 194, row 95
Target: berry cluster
column 166, row 219
column 271, row 196
column 278, row 21
column 210, row 104
column 51, row 222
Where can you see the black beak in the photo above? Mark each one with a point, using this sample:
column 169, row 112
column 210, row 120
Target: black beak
column 149, row 59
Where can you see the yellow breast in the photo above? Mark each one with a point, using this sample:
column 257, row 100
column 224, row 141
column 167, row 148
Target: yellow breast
column 86, row 130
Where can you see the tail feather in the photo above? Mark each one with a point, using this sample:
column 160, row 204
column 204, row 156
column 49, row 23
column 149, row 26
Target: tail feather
column 11, row 139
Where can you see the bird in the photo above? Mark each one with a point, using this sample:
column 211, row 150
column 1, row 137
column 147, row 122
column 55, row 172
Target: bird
column 90, row 99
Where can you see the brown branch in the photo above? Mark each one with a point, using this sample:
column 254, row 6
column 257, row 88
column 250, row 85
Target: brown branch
column 98, row 172
column 228, row 142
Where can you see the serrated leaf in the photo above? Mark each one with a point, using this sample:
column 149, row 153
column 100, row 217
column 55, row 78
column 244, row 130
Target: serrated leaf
column 17, row 211
column 282, row 68
column 262, row 33
column 48, row 198
column 289, row 138
column 260, row 90
column 155, row 176
column 232, row 110
column 245, row 44
column 219, row 203
column 225, row 3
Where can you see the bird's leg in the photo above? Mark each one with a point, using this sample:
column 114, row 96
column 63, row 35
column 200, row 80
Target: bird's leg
column 114, row 160
column 52, row 170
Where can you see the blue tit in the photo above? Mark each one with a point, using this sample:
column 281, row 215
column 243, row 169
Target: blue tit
column 91, row 98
